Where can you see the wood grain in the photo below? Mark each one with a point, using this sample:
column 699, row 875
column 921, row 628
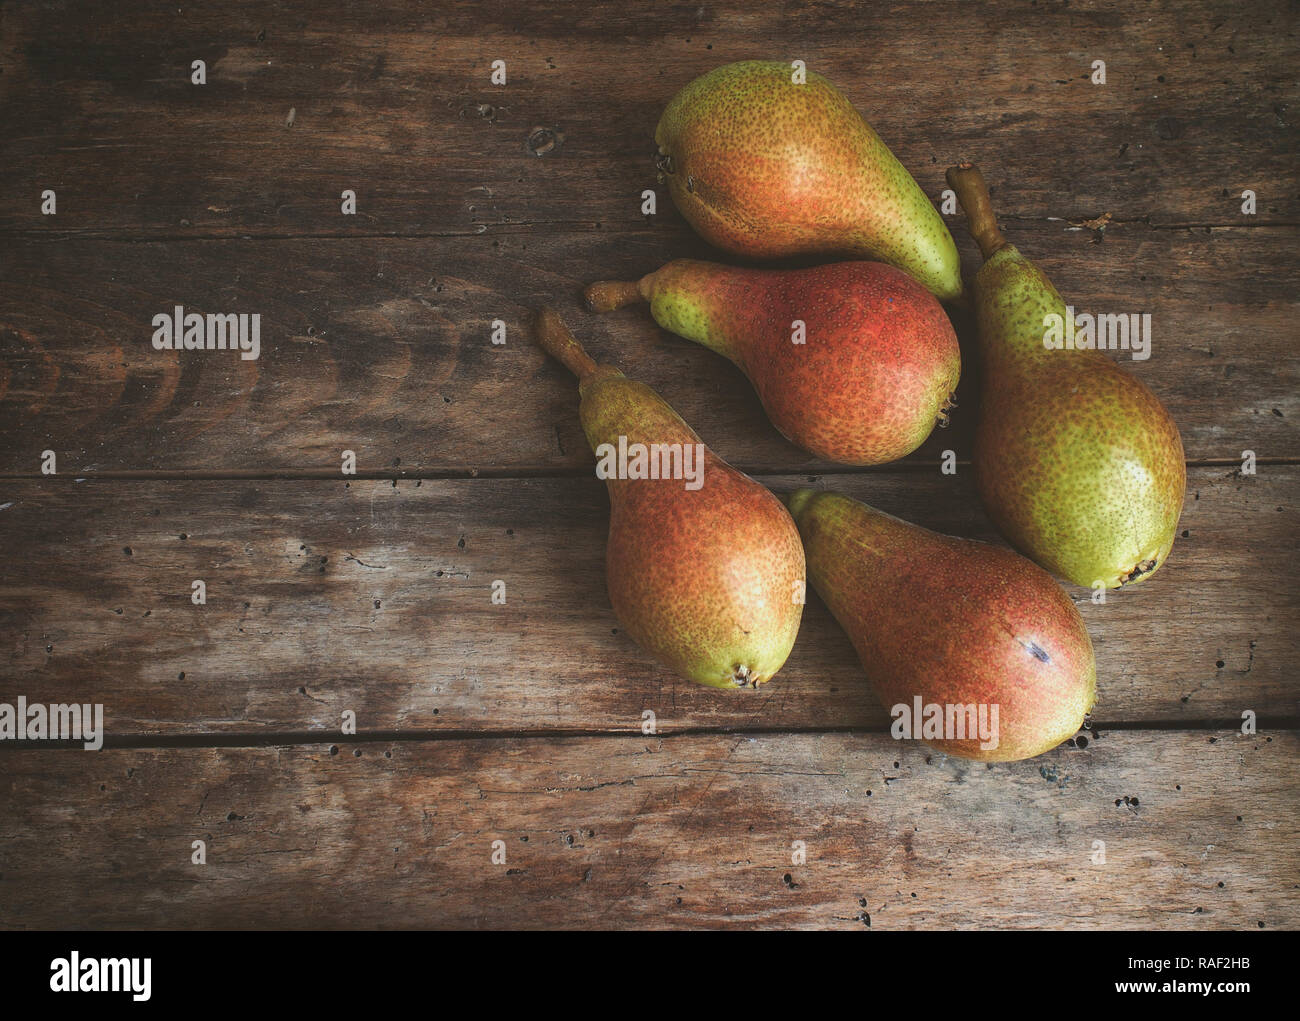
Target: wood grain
column 383, row 347
column 395, row 102
column 652, row 832
column 522, row 722
column 373, row 597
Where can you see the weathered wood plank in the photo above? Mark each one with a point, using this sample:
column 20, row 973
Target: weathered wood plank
column 395, row 102
column 383, row 347
column 1199, row 832
column 367, row 596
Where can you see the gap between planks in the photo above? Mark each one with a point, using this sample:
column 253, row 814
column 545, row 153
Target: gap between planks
column 525, row 226
column 505, row 474
column 142, row 742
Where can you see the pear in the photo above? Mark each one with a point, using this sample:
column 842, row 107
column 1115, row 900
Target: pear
column 1078, row 463
column 853, row 361
column 704, row 565
column 948, row 622
column 766, row 161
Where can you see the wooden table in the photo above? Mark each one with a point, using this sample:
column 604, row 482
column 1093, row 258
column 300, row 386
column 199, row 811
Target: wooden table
column 371, row 594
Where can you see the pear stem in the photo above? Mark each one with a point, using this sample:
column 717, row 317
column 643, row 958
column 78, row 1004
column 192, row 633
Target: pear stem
column 607, row 295
column 966, row 180
column 558, row 341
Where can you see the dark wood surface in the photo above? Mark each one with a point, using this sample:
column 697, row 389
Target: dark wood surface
column 697, row 830
column 371, row 594
column 383, row 347
column 324, row 596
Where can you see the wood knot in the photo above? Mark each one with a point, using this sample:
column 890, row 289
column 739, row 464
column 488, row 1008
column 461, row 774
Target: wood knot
column 543, row 141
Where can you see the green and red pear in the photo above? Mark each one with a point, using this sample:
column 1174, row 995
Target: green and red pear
column 854, row 362
column 767, row 160
column 1077, row 462
column 705, row 570
column 962, row 625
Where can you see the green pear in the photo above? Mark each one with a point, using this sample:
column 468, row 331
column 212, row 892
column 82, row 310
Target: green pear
column 1078, row 463
column 704, row 565
column 974, row 629
column 853, row 361
column 767, row 161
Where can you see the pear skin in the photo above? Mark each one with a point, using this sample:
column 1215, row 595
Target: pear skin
column 708, row 580
column 767, row 168
column 864, row 378
column 1078, row 463
column 952, row 622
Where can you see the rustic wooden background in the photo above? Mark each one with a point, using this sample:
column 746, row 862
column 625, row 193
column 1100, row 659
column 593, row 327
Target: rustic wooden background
column 522, row 723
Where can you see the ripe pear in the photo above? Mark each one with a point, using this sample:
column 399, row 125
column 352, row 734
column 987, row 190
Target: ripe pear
column 853, row 361
column 707, row 579
column 766, row 163
column 1078, row 463
column 951, row 622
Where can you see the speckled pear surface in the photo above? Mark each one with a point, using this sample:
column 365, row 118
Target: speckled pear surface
column 876, row 362
column 1077, row 462
column 764, row 167
column 706, row 580
column 952, row 622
